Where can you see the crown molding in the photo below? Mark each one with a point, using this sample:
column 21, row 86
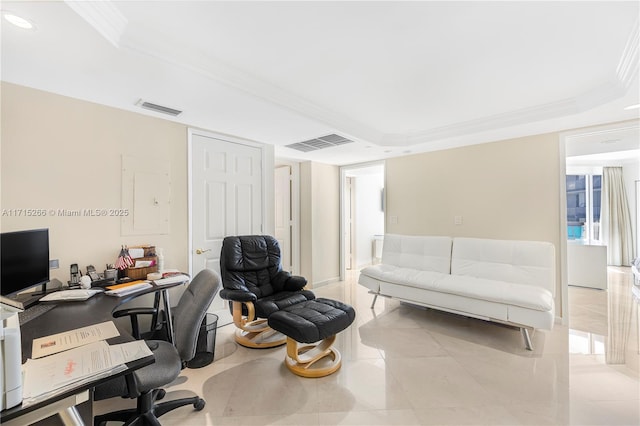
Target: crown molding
column 161, row 47
column 611, row 129
column 581, row 103
column 103, row 16
column 628, row 65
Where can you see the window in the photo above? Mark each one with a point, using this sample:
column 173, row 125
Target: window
column 583, row 207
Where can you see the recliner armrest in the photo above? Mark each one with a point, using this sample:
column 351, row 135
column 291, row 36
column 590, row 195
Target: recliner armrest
column 238, row 295
column 295, row 283
column 284, row 281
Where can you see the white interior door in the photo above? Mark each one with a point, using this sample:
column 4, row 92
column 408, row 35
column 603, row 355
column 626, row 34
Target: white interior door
column 226, row 199
column 283, row 219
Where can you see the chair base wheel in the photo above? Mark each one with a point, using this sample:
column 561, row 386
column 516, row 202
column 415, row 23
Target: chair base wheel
column 324, row 359
column 199, row 404
column 159, row 394
column 267, row 338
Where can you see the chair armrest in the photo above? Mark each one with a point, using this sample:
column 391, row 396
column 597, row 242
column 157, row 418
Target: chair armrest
column 238, row 295
column 295, row 283
column 284, row 281
column 133, row 313
column 279, row 280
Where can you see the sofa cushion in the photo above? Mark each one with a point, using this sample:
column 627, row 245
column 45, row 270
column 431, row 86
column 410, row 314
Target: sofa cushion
column 525, row 296
column 519, row 262
column 404, row 276
column 425, row 253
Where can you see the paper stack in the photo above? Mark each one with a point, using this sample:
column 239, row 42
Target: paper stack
column 79, row 355
column 120, row 290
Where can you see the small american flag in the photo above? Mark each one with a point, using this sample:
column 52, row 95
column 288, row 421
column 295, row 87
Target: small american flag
column 124, row 259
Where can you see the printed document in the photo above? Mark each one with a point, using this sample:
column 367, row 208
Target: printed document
column 127, row 289
column 55, row 371
column 72, row 339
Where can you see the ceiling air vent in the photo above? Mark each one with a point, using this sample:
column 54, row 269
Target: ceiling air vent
column 319, row 143
column 158, row 108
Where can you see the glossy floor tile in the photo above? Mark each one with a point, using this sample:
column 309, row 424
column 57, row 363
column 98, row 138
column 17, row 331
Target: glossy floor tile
column 405, row 365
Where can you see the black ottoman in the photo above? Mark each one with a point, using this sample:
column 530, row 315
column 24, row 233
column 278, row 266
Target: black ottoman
column 312, row 321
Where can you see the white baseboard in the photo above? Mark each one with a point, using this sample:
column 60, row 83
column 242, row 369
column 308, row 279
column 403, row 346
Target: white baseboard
column 325, row 282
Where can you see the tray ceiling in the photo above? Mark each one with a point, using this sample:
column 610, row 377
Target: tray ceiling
column 395, row 77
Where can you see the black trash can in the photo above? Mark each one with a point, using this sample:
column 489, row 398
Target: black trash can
column 206, row 345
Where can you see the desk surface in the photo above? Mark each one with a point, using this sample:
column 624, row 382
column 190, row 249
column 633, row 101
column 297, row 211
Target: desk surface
column 69, row 315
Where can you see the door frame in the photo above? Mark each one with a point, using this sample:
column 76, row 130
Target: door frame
column 564, row 137
column 268, row 197
column 349, row 219
column 295, row 210
column 343, row 175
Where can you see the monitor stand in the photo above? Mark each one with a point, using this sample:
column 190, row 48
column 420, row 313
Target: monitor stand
column 21, row 301
column 27, row 299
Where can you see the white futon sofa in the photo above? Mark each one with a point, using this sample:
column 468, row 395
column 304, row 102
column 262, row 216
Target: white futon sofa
column 510, row 282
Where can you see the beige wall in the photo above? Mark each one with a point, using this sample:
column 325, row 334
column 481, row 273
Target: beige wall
column 62, row 153
column 503, row 190
column 319, row 222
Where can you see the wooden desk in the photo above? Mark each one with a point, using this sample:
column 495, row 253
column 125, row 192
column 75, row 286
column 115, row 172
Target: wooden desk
column 68, row 316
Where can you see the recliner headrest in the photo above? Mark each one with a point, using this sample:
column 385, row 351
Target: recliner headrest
column 250, row 252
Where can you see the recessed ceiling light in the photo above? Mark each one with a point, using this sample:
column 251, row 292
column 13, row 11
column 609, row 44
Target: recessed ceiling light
column 636, row 106
column 18, row 21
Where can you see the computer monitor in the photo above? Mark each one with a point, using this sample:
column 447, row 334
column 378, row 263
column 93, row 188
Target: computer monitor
column 24, row 261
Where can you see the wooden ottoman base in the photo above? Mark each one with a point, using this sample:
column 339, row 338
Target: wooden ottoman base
column 316, row 323
column 309, row 360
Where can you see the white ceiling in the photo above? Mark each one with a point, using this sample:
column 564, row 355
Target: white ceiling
column 617, row 143
column 396, row 77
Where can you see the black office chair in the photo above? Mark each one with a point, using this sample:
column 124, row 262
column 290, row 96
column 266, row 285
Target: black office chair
column 145, row 384
column 256, row 286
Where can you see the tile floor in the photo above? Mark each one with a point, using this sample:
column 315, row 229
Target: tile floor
column 404, row 365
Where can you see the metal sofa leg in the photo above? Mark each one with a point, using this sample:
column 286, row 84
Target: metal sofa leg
column 375, row 297
column 527, row 338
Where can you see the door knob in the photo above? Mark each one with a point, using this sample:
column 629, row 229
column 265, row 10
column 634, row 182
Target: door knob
column 200, row 251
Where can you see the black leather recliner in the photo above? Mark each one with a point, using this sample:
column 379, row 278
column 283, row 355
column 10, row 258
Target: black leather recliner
column 256, row 286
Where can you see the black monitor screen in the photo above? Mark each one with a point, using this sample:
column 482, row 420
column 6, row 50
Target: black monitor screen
column 24, row 260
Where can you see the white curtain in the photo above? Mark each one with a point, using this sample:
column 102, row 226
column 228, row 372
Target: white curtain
column 615, row 218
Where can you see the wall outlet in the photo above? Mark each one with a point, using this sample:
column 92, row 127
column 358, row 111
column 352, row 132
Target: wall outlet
column 457, row 220
column 393, row 219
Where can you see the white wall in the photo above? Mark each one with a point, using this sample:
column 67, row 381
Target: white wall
column 63, row 153
column 369, row 217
